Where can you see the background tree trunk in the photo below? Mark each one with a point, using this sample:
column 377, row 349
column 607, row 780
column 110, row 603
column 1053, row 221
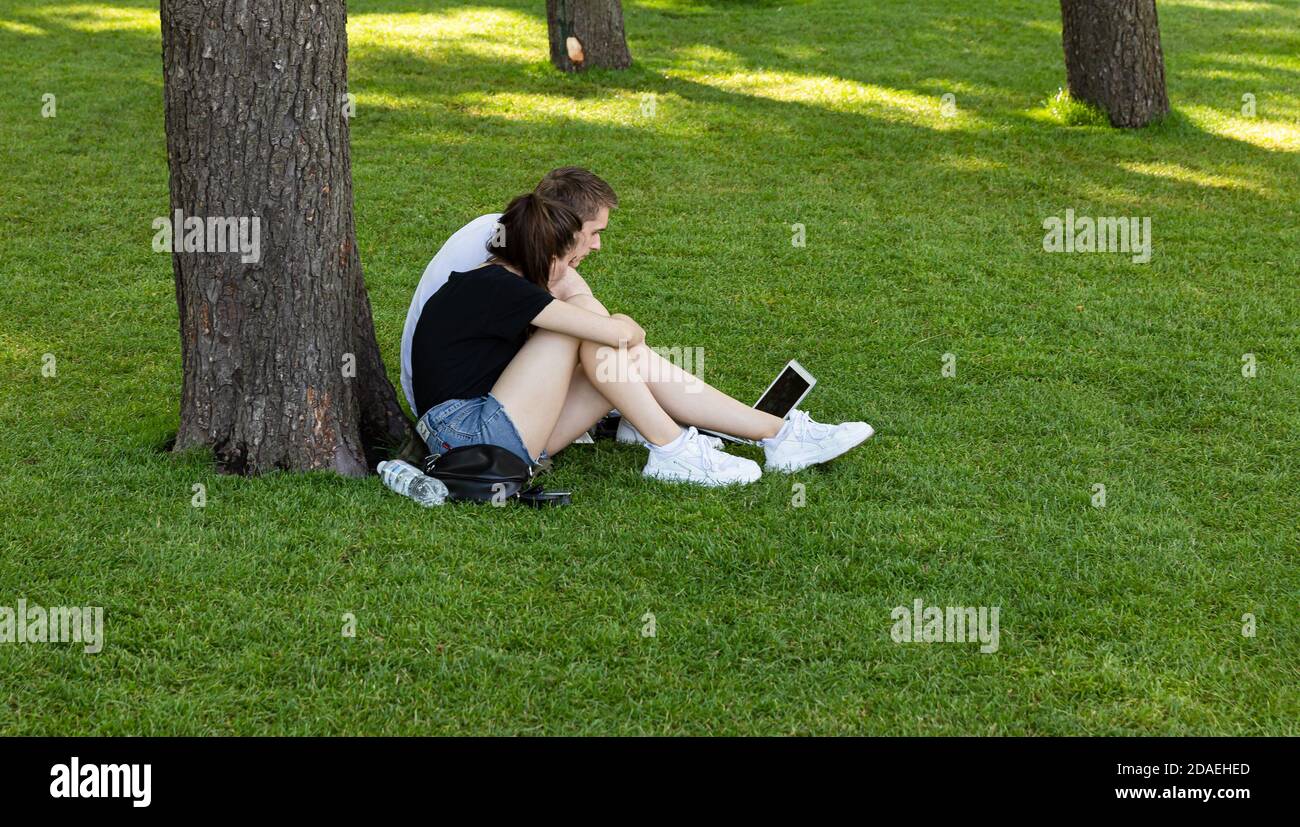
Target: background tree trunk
column 255, row 94
column 1113, row 58
column 587, row 33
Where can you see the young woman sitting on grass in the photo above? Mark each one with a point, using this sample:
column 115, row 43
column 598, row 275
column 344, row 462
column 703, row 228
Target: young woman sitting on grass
column 479, row 376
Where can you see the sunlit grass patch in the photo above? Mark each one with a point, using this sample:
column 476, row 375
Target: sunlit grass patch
column 17, row 27
column 1257, row 131
column 835, row 94
column 1256, row 60
column 482, row 31
column 704, row 56
column 1229, row 6
column 1064, row 110
column 618, row 108
column 1177, row 172
column 91, row 18
column 972, row 163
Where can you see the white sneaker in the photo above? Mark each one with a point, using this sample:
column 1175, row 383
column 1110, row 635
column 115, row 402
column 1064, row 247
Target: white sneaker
column 695, row 460
column 802, row 442
column 628, row 434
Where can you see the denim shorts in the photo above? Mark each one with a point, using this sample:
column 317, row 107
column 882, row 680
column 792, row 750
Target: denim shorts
column 479, row 421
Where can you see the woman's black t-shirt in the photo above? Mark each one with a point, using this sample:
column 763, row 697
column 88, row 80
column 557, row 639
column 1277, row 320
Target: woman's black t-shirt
column 469, row 331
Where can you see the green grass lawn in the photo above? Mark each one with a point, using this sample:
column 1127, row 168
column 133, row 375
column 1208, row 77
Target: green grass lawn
column 924, row 237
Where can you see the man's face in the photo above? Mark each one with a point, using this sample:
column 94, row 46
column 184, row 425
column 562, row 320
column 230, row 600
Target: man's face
column 589, row 237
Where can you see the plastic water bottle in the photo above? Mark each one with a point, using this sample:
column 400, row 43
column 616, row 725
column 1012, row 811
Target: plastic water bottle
column 408, row 481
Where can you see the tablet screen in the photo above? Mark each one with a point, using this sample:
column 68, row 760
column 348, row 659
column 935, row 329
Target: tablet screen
column 784, row 394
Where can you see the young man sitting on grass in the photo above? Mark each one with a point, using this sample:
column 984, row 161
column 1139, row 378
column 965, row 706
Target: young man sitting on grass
column 471, row 325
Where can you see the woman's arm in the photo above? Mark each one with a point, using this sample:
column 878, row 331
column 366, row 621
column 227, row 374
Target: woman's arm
column 572, row 320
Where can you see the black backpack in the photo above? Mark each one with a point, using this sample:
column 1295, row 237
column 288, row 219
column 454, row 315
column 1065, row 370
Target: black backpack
column 490, row 473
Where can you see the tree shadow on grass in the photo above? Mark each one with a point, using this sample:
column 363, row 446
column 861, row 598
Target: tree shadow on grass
column 812, row 42
column 658, row 71
column 456, row 105
column 941, row 51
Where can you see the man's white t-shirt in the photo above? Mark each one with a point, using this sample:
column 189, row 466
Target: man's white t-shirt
column 466, row 249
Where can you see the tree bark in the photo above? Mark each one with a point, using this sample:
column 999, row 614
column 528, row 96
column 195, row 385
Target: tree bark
column 1113, row 58
column 280, row 365
column 586, row 33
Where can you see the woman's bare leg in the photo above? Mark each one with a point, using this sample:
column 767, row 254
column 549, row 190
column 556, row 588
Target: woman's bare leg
column 689, row 399
column 534, row 385
column 583, row 407
column 683, row 396
column 624, row 389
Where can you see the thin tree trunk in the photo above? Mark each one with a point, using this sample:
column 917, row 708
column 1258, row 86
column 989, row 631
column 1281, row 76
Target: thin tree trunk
column 1113, row 58
column 586, row 33
column 280, row 365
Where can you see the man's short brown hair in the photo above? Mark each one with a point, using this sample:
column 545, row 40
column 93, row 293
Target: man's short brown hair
column 584, row 191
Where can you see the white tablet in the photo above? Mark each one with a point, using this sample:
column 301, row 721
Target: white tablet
column 786, row 391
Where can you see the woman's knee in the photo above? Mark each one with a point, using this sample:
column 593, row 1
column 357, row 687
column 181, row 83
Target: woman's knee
column 604, row 363
column 554, row 344
column 551, row 336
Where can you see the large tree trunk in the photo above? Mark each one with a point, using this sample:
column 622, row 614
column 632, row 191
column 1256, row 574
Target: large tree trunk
column 587, row 33
column 1113, row 58
column 280, row 365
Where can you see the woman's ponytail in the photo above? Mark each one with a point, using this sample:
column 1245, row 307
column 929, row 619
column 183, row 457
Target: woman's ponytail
column 533, row 232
